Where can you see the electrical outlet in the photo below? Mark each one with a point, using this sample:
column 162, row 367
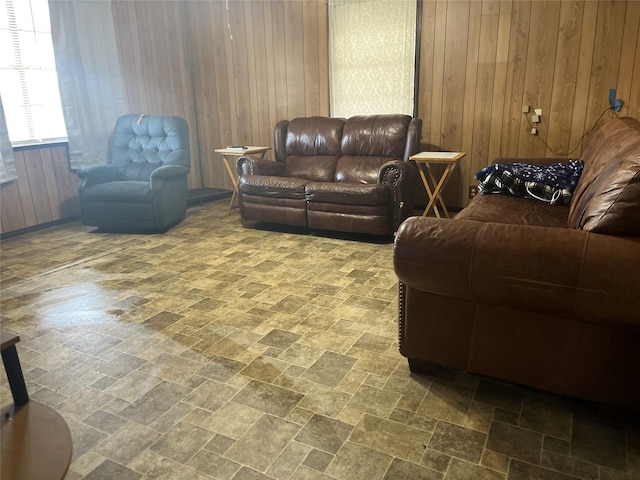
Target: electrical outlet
column 473, row 191
column 535, row 118
column 526, row 108
column 538, row 111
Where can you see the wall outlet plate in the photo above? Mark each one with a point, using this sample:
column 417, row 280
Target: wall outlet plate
column 538, row 111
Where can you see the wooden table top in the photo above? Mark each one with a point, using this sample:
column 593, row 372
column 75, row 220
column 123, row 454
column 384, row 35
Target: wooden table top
column 248, row 150
column 437, row 157
column 8, row 339
column 36, row 444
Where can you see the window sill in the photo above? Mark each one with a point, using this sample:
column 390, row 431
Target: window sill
column 41, row 145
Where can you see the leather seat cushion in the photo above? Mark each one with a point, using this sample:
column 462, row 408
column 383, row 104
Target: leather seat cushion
column 124, row 191
column 499, row 208
column 347, row 193
column 268, row 186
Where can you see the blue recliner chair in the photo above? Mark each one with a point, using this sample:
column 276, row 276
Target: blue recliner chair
column 143, row 188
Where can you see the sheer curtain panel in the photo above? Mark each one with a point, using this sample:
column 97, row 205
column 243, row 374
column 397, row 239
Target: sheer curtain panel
column 89, row 75
column 371, row 56
column 7, row 164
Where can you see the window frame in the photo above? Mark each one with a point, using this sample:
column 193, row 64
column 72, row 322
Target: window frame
column 39, row 59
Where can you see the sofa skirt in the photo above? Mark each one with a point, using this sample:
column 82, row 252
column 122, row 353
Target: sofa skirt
column 349, row 218
column 274, row 210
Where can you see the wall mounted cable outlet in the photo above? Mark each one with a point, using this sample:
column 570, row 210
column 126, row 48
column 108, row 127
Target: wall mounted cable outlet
column 615, row 103
column 525, row 109
column 535, row 118
column 538, row 111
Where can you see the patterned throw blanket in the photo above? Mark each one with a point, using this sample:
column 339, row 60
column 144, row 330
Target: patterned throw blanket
column 553, row 184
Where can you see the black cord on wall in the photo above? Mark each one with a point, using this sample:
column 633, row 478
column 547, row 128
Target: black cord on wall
column 580, row 140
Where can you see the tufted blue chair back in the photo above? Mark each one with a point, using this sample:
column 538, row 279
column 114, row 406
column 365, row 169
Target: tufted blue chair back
column 142, row 143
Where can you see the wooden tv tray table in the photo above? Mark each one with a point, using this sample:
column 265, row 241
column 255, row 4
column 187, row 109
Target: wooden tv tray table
column 36, row 441
column 434, row 189
column 229, row 156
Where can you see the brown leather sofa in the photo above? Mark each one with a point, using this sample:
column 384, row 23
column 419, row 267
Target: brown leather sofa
column 349, row 175
column 539, row 295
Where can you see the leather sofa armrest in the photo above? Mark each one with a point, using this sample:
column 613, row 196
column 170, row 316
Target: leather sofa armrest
column 401, row 177
column 247, row 165
column 549, row 270
column 95, row 174
column 396, row 173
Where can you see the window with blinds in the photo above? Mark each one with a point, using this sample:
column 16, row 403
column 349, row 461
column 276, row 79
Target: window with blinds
column 372, row 56
column 28, row 81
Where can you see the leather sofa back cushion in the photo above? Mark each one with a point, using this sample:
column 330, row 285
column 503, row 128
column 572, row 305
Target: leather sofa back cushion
column 607, row 197
column 378, row 135
column 318, row 168
column 313, row 136
column 358, row 169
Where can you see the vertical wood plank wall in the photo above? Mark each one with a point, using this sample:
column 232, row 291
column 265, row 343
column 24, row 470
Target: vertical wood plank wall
column 234, row 73
column 482, row 61
column 232, row 69
column 253, row 63
column 155, row 64
column 45, row 191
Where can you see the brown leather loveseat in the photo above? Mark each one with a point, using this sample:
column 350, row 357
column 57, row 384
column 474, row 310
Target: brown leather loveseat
column 539, row 295
column 349, row 175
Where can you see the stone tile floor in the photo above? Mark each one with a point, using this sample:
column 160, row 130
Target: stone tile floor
column 219, row 351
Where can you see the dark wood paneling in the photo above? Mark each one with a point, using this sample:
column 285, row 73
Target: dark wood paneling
column 155, row 64
column 45, row 191
column 11, row 211
column 561, row 56
column 480, row 62
column 232, row 69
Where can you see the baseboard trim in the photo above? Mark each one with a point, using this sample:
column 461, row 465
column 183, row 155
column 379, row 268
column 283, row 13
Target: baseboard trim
column 199, row 196
column 40, row 226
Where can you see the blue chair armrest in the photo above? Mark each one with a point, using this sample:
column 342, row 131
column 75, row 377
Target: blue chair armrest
column 96, row 174
column 167, row 173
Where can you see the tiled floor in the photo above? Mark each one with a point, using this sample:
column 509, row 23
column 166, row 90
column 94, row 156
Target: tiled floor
column 225, row 352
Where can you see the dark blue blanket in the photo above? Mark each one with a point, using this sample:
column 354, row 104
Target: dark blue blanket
column 553, row 184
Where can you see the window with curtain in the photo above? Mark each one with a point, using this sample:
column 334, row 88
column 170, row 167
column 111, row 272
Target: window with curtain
column 372, row 56
column 28, row 80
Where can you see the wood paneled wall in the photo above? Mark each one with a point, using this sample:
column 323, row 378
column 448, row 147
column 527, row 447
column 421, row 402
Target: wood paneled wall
column 235, row 68
column 232, row 69
column 253, row 65
column 482, row 61
column 234, row 73
column 45, row 191
column 155, row 65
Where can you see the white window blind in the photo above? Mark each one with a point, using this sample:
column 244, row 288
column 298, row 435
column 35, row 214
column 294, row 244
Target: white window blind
column 372, row 56
column 28, row 81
